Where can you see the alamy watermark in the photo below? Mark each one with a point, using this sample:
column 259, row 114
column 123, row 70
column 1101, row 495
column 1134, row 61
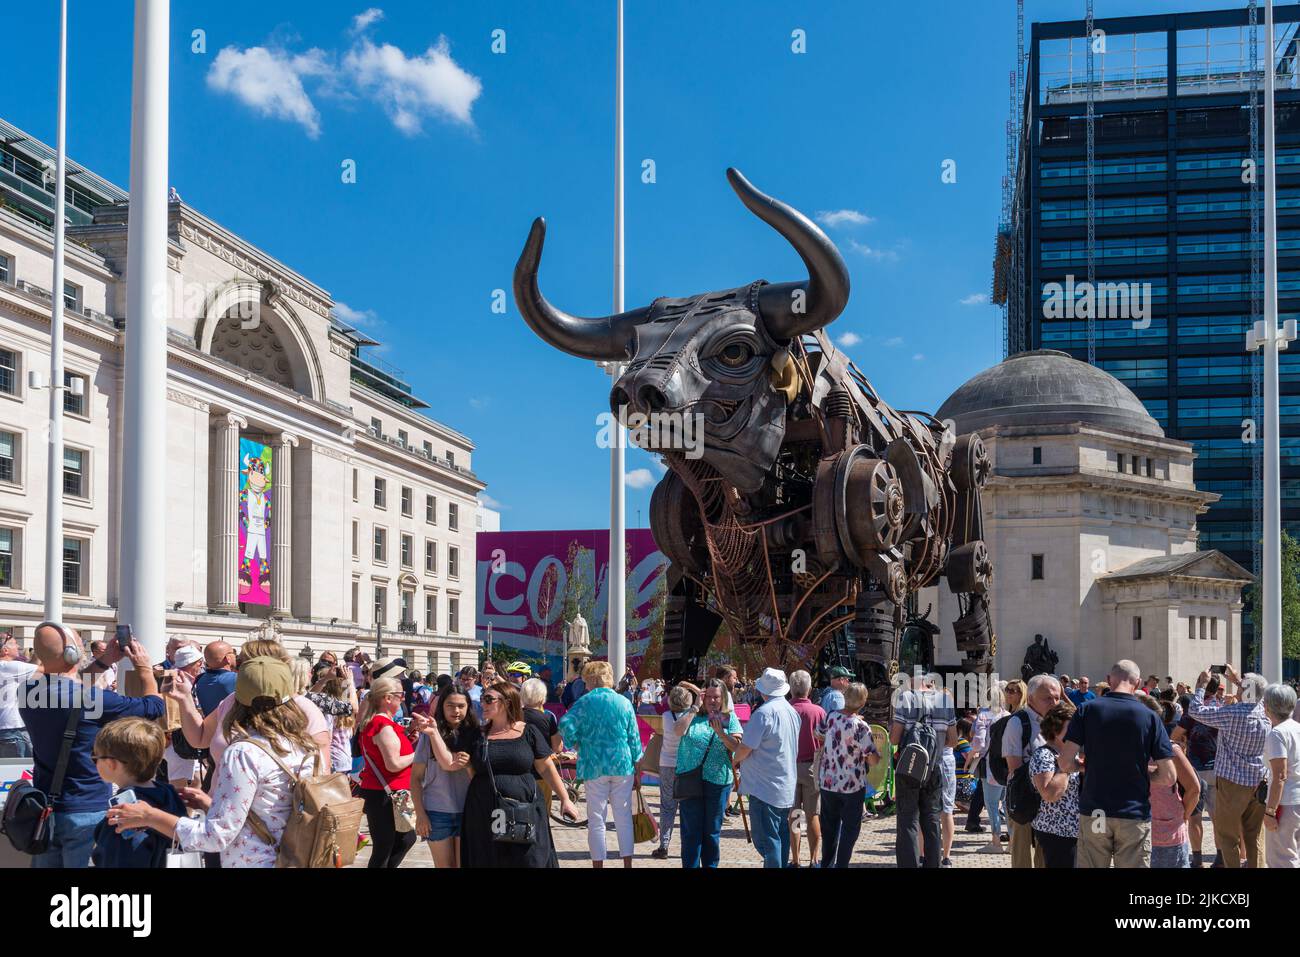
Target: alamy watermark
column 1103, row 300
column 656, row 431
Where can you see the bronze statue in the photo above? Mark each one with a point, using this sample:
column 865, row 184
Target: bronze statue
column 811, row 509
column 1040, row 659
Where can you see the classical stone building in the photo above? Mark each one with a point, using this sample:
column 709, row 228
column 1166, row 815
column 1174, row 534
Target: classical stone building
column 374, row 504
column 1090, row 518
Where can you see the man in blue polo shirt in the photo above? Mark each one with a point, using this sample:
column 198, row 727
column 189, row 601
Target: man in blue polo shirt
column 1081, row 695
column 1119, row 738
column 217, row 683
column 44, row 706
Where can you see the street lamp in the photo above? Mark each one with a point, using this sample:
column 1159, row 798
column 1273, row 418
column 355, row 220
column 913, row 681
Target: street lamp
column 307, row 654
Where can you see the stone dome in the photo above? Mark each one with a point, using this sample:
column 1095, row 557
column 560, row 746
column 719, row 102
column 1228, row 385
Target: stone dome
column 1046, row 387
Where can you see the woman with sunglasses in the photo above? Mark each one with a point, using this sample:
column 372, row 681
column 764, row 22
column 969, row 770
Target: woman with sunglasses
column 510, row 751
column 386, row 750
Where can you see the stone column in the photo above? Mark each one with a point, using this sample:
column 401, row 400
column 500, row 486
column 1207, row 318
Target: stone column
column 282, row 525
column 223, row 557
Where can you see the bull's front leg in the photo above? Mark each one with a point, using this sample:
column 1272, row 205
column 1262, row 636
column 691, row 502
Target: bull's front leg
column 689, row 628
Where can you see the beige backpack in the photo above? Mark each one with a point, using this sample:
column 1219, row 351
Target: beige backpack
column 324, row 820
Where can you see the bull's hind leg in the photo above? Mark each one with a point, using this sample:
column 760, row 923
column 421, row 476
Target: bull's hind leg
column 689, row 628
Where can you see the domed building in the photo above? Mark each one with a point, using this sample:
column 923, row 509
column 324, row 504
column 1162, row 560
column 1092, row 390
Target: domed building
column 1090, row 519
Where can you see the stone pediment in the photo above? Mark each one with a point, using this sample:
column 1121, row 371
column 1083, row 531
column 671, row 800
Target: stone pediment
column 1203, row 565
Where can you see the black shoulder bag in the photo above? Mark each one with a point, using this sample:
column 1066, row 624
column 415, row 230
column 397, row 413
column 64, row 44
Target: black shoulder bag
column 689, row 785
column 513, row 822
column 29, row 813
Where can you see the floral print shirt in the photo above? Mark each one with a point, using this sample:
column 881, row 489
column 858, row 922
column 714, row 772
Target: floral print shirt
column 844, row 753
column 601, row 727
column 1059, row 817
column 247, row 779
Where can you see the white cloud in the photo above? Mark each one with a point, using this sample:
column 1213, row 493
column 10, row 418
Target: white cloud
column 356, row 318
column 841, row 217
column 487, row 501
column 976, row 299
column 919, row 357
column 873, row 252
column 894, row 341
column 639, row 478
column 270, row 82
column 362, row 21
column 849, row 339
column 411, row 88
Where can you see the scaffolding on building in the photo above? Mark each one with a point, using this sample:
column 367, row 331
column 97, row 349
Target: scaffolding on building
column 1008, row 266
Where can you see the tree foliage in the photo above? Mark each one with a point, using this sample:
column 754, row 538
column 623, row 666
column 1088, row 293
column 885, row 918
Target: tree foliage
column 1290, row 600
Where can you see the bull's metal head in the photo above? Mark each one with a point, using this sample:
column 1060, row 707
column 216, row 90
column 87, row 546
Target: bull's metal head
column 720, row 359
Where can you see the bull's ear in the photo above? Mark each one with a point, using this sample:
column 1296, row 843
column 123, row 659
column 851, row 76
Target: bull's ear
column 794, row 308
column 604, row 338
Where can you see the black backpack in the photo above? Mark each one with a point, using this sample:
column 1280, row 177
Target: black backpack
column 1023, row 799
column 919, row 752
column 993, row 759
column 29, row 812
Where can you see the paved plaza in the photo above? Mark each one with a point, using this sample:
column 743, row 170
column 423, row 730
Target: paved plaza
column 875, row 847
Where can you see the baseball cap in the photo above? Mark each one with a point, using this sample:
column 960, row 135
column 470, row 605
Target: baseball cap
column 839, row 671
column 186, row 655
column 263, row 677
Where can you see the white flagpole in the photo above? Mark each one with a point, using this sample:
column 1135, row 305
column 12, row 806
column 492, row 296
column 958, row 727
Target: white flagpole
column 1267, row 336
column 142, row 602
column 617, row 575
column 1272, row 583
column 54, row 478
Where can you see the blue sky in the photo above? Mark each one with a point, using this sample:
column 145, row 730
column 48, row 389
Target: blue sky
column 457, row 148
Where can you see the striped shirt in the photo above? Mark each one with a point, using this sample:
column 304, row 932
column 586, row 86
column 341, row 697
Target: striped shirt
column 1242, row 729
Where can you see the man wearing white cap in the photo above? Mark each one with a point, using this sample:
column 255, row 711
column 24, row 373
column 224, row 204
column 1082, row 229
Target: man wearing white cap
column 182, row 773
column 766, row 758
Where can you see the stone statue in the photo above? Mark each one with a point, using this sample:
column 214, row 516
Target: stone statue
column 577, row 647
column 1040, row 659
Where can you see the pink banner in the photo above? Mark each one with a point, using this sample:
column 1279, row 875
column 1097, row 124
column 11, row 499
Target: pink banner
column 530, row 584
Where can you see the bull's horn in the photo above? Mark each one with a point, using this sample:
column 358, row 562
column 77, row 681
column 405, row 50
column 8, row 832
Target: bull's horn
column 604, row 338
column 825, row 292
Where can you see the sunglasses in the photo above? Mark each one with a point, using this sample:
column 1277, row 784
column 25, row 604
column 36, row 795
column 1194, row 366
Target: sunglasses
column 490, row 698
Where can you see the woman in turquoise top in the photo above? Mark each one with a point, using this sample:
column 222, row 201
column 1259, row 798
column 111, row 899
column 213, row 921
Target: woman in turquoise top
column 708, row 736
column 601, row 727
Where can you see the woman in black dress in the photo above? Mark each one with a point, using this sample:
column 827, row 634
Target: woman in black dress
column 515, row 749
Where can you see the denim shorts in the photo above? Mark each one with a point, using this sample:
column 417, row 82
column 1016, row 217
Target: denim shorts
column 442, row 825
column 948, row 771
column 1177, row 857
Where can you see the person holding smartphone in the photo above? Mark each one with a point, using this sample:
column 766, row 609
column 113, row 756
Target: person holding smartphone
column 47, row 700
column 707, row 735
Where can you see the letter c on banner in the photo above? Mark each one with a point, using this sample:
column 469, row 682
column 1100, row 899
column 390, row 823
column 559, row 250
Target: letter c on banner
column 506, row 606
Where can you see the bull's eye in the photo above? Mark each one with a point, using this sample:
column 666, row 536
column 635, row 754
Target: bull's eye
column 736, row 355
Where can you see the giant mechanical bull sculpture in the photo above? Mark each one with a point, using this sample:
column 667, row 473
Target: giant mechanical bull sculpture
column 815, row 511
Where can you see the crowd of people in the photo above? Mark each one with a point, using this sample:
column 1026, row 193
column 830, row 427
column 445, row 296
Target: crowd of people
column 1059, row 772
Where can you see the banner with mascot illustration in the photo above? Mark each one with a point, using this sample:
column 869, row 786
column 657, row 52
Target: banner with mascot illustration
column 254, row 522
